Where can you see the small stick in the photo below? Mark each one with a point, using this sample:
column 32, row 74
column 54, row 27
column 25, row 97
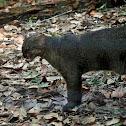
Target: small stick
column 57, row 15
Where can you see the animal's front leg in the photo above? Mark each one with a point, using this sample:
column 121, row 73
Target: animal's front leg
column 73, row 90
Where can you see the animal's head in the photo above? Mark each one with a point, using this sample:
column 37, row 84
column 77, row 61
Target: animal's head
column 33, row 46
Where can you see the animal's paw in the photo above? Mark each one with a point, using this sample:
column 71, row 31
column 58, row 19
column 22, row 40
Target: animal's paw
column 70, row 105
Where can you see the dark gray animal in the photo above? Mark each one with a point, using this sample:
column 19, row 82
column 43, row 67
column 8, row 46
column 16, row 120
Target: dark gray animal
column 73, row 55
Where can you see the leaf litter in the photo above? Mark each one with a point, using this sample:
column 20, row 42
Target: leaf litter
column 32, row 94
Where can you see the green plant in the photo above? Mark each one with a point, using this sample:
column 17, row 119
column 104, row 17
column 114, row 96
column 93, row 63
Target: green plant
column 97, row 26
column 35, row 79
column 103, row 7
column 53, row 34
column 35, row 17
column 95, row 81
column 3, row 2
column 38, row 0
column 118, row 124
column 122, row 25
column 78, row 10
column 30, row 73
column 62, row 7
column 55, row 13
column 41, row 84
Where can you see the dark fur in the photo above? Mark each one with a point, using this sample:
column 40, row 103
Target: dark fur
column 73, row 55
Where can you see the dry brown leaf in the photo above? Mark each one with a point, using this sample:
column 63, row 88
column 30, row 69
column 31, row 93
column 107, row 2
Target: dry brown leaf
column 37, row 108
column 1, row 50
column 66, row 121
column 16, row 96
column 18, row 66
column 11, row 2
column 88, row 119
column 8, row 35
column 26, row 124
column 45, row 62
column 17, row 4
column 66, row 27
column 26, row 66
column 76, row 22
column 12, row 46
column 8, row 27
column 19, row 39
column 1, row 35
column 7, row 10
column 40, row 90
column 43, row 68
column 105, row 18
column 122, row 19
column 1, row 61
column 6, row 75
column 1, row 38
column 14, row 27
column 52, row 78
column 2, row 31
column 2, row 87
column 30, row 103
column 3, row 45
column 124, row 123
column 93, row 12
column 30, row 1
column 51, row 115
column 85, row 89
column 110, row 81
column 56, row 123
column 22, row 113
column 7, row 93
column 112, row 122
column 60, row 100
column 117, row 94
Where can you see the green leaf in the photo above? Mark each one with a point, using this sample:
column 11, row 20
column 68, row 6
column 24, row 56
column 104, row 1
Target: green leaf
column 118, row 124
column 28, row 74
column 53, row 34
column 123, row 13
column 97, row 26
column 102, row 7
column 35, row 79
column 3, row 2
column 55, row 13
column 100, row 85
column 122, row 24
column 35, row 17
column 78, row 10
column 62, row 7
column 41, row 84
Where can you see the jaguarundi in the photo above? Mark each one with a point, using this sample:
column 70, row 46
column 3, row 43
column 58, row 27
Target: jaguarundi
column 73, row 55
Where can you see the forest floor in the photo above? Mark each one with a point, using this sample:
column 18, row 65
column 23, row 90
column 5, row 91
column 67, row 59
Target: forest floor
column 33, row 93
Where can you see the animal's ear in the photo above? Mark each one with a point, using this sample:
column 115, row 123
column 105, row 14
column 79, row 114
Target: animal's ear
column 42, row 39
column 24, row 34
